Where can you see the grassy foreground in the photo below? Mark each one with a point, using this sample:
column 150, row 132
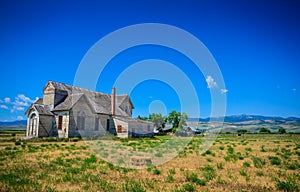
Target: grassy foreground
column 247, row 163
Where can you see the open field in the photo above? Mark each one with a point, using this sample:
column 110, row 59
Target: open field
column 246, row 163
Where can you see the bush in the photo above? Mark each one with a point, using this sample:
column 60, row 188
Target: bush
column 289, row 185
column 133, row 186
column 258, row 162
column 246, row 164
column 188, row 187
column 259, row 173
column 169, row 179
column 208, row 173
column 274, row 160
column 193, row 177
column 248, row 149
column 230, row 150
column 156, row 171
column 18, row 142
column 220, row 165
column 243, row 173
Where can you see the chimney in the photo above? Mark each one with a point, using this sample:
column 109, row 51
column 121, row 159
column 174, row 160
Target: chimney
column 113, row 100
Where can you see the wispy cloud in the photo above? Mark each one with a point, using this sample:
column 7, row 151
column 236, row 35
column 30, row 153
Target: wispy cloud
column 223, row 91
column 20, row 118
column 211, row 82
column 294, row 89
column 3, row 107
column 7, row 100
column 19, row 104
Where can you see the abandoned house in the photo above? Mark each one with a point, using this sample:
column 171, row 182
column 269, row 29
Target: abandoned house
column 69, row 111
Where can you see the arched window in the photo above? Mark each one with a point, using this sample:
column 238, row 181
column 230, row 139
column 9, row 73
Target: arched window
column 80, row 120
column 33, row 124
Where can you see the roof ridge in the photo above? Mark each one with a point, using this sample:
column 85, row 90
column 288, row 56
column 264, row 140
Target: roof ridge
column 80, row 88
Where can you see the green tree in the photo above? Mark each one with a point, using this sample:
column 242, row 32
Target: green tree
column 264, row 130
column 183, row 118
column 158, row 120
column 174, row 118
column 242, row 131
column 281, row 130
column 143, row 118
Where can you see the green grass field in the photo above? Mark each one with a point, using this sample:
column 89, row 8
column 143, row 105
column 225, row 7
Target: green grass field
column 249, row 163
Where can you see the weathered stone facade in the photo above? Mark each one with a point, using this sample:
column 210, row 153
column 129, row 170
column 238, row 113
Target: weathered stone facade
column 69, row 111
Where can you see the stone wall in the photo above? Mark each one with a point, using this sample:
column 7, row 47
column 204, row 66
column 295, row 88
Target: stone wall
column 45, row 125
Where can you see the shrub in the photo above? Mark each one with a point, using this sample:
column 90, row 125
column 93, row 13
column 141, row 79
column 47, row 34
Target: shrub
column 158, row 154
column 18, row 142
column 188, row 187
column 243, row 173
column 220, row 165
column 172, row 171
column 293, row 166
column 133, row 186
column 248, row 149
column 193, row 177
column 259, row 173
column 169, row 179
column 274, row 160
column 208, row 172
column 230, row 150
column 221, row 147
column 156, row 171
column 258, row 162
column 91, row 159
column 246, row 164
column 262, row 149
column 289, row 185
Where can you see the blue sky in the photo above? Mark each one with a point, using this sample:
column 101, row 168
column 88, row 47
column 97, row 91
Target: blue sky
column 255, row 43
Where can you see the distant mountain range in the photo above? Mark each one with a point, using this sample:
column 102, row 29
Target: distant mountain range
column 240, row 119
column 243, row 118
column 18, row 123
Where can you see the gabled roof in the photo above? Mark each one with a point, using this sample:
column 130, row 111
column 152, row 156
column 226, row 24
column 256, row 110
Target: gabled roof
column 100, row 102
column 43, row 109
column 68, row 103
column 40, row 108
column 131, row 120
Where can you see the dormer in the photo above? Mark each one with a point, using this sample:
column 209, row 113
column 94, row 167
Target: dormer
column 52, row 95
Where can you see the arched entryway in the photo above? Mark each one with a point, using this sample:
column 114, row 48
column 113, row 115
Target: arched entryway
column 33, row 125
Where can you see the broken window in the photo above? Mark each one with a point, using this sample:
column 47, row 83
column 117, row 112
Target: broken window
column 60, row 119
column 119, row 128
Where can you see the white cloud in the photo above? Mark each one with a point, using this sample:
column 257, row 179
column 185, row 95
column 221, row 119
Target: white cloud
column 19, row 104
column 16, row 108
column 25, row 99
column 3, row 107
column 223, row 91
column 7, row 100
column 210, row 82
column 20, row 118
column 294, row 89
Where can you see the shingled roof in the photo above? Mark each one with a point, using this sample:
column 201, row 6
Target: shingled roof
column 100, row 102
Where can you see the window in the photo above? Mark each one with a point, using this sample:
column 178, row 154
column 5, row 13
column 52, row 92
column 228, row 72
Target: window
column 60, row 118
column 119, row 128
column 96, row 123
